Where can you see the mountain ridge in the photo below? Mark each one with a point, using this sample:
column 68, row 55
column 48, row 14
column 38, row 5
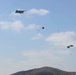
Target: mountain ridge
column 44, row 71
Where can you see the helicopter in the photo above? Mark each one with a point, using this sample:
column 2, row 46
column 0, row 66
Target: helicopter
column 69, row 46
column 19, row 11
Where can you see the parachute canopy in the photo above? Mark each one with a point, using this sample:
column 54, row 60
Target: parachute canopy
column 42, row 27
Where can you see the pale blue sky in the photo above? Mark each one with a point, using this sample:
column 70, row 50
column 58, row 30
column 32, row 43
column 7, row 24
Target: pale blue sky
column 22, row 47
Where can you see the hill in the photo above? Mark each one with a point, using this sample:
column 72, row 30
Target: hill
column 44, row 71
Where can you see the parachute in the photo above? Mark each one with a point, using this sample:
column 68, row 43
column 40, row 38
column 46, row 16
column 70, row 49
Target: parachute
column 42, row 27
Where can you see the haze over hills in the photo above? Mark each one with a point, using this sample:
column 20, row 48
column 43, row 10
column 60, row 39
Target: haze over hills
column 44, row 71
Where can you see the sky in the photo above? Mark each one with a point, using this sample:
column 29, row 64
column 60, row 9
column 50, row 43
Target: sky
column 25, row 45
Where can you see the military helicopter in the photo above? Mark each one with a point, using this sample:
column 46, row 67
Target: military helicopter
column 69, row 46
column 19, row 11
